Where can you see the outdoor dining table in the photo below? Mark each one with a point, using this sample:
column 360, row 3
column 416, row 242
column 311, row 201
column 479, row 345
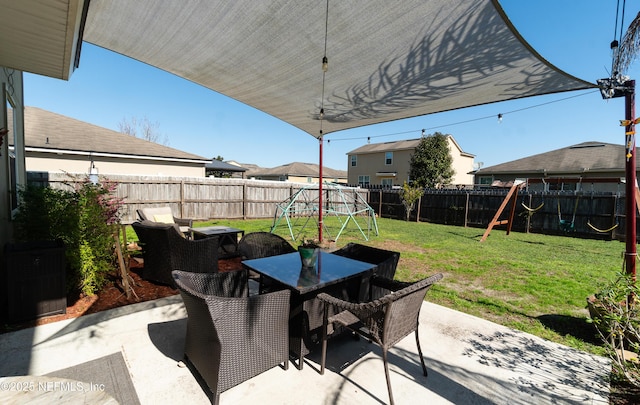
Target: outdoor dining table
column 330, row 274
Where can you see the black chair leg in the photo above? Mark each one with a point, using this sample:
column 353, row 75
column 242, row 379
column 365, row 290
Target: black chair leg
column 424, row 368
column 386, row 373
column 325, row 325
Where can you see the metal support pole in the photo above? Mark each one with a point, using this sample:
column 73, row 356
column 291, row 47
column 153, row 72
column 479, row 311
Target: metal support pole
column 320, row 193
column 630, row 186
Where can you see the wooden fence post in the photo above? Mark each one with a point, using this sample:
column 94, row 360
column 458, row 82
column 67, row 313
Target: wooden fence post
column 466, row 210
column 182, row 199
column 245, row 201
column 528, row 221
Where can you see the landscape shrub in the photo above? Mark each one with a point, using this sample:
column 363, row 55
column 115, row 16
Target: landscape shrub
column 84, row 216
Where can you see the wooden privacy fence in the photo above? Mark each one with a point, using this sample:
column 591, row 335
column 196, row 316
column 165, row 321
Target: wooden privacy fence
column 576, row 214
column 215, row 198
column 202, row 198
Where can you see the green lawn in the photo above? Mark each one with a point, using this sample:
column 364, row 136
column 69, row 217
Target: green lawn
column 534, row 283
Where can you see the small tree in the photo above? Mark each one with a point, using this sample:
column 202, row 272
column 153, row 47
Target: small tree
column 144, row 129
column 410, row 195
column 431, row 162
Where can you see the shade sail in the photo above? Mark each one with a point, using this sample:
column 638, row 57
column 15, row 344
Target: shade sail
column 388, row 60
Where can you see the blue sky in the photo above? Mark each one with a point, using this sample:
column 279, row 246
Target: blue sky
column 573, row 35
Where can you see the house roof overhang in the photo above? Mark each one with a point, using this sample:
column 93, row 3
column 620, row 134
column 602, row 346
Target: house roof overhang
column 42, row 37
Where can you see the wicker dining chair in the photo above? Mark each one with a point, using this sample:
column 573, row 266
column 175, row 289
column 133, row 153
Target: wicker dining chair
column 256, row 245
column 385, row 260
column 385, row 321
column 231, row 336
column 164, row 249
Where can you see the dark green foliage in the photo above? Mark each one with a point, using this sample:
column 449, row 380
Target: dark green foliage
column 84, row 219
column 431, row 162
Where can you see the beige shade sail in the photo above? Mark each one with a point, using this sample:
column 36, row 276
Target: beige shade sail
column 387, row 60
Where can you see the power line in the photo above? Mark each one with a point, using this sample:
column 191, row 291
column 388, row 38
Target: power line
column 493, row 116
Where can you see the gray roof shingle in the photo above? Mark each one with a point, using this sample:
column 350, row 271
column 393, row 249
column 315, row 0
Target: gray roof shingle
column 584, row 157
column 224, row 166
column 45, row 129
column 298, row 169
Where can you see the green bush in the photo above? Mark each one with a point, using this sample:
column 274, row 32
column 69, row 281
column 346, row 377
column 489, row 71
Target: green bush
column 84, row 217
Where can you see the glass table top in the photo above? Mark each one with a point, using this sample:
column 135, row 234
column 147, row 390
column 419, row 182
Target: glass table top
column 287, row 269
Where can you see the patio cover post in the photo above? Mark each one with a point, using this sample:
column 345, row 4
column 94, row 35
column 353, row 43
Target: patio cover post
column 320, row 191
column 630, row 186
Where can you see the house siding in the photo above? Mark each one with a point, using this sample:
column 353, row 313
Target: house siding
column 106, row 166
column 373, row 164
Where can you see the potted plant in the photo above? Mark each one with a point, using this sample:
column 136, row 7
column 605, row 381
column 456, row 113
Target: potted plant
column 616, row 316
column 308, row 250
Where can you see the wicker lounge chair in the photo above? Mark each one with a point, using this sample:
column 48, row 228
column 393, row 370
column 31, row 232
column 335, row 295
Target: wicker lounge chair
column 165, row 215
column 164, row 249
column 386, row 260
column 384, row 321
column 232, row 337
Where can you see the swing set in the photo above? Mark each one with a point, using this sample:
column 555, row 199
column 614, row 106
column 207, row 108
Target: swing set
column 531, row 211
column 566, row 225
column 615, row 214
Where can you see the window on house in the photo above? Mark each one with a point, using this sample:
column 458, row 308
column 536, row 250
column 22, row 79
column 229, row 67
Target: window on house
column 363, row 180
column 354, row 160
column 563, row 186
column 309, row 180
column 485, row 180
column 388, row 158
column 387, row 182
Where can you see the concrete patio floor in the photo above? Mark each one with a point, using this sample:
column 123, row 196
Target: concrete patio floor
column 470, row 361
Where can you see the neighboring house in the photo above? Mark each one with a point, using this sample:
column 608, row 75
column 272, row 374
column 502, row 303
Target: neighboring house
column 298, row 173
column 56, row 143
column 588, row 166
column 388, row 163
column 247, row 166
column 217, row 168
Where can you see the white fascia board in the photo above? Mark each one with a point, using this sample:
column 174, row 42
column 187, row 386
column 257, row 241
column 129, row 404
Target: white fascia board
column 112, row 155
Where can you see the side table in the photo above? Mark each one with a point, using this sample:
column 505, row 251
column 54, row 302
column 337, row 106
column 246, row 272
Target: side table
column 227, row 238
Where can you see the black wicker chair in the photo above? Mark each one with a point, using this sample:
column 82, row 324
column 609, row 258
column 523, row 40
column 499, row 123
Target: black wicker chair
column 384, row 321
column 232, row 337
column 386, row 261
column 164, row 249
column 255, row 245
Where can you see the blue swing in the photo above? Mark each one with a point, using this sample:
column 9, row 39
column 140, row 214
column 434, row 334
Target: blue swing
column 565, row 225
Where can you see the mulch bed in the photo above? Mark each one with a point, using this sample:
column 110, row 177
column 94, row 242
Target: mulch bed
column 112, row 296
